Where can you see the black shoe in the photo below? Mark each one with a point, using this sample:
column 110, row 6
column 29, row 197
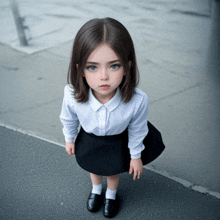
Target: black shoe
column 110, row 208
column 94, row 202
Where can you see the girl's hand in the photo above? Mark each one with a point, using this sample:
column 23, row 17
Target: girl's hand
column 136, row 166
column 70, row 148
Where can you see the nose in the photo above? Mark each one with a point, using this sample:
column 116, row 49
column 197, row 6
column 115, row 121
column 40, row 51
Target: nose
column 104, row 74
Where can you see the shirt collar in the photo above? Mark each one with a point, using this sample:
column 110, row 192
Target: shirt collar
column 110, row 105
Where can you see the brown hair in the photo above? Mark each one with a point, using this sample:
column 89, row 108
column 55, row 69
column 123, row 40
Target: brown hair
column 88, row 38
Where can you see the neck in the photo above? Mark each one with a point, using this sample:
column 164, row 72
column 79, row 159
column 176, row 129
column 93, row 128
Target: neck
column 104, row 99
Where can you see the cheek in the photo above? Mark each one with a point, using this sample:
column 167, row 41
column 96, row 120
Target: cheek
column 121, row 75
column 118, row 78
column 90, row 79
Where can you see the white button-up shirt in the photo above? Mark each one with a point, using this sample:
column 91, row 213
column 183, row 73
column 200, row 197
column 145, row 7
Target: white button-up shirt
column 107, row 119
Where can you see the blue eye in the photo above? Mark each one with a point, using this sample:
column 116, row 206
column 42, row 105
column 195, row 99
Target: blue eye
column 115, row 66
column 92, row 68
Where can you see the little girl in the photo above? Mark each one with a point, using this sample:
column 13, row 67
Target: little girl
column 102, row 97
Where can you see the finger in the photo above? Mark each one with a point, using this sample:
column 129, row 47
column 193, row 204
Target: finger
column 130, row 170
column 73, row 151
column 69, row 152
column 135, row 175
column 139, row 174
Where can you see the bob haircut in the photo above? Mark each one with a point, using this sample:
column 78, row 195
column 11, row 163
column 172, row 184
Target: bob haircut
column 89, row 37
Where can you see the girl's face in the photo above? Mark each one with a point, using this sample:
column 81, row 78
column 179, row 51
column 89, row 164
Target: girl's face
column 103, row 72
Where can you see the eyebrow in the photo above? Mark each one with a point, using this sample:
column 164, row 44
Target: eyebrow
column 110, row 62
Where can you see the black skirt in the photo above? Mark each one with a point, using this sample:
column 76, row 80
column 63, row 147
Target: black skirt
column 109, row 155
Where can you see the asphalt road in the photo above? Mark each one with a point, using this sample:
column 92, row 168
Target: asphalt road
column 39, row 180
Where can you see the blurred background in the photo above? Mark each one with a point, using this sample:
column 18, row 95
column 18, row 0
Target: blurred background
column 176, row 47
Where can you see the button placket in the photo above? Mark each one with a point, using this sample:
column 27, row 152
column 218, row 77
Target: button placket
column 102, row 120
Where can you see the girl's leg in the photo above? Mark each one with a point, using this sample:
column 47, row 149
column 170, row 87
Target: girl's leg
column 96, row 179
column 97, row 183
column 112, row 182
column 111, row 202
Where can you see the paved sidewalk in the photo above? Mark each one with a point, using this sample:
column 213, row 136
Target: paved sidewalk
column 171, row 41
column 39, row 180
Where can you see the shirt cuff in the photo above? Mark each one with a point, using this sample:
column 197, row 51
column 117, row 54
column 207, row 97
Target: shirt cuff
column 135, row 153
column 136, row 156
column 70, row 140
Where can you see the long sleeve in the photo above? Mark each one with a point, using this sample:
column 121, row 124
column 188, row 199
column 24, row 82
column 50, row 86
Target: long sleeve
column 68, row 117
column 138, row 129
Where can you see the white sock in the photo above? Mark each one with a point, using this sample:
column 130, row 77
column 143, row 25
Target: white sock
column 110, row 194
column 97, row 189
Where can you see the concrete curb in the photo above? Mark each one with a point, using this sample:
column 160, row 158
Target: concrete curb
column 185, row 183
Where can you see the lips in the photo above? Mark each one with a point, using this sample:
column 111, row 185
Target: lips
column 105, row 87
